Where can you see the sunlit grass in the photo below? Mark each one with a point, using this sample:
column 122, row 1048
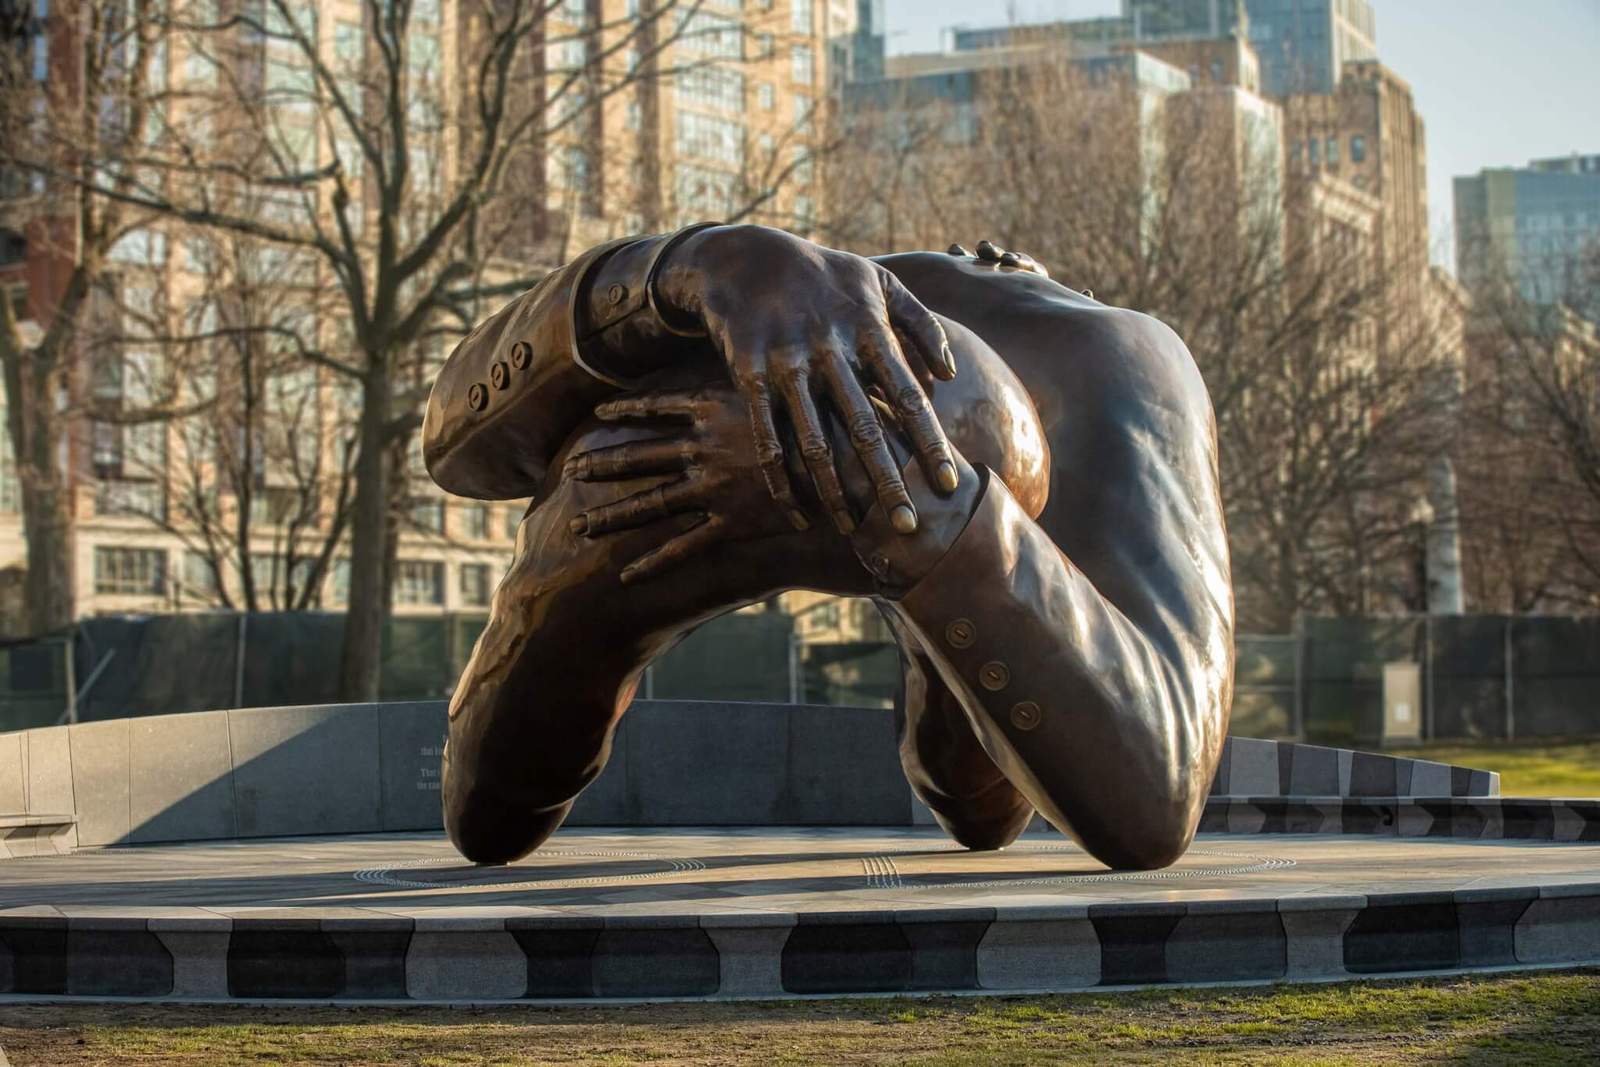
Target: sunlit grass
column 1545, row 1018
column 1533, row 769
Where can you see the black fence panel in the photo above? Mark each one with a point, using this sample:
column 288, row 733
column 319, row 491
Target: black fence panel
column 1483, row 677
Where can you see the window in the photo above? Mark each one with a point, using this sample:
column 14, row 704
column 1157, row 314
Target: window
column 475, row 521
column 1216, row 70
column 428, row 515
column 275, row 505
column 199, row 580
column 1313, row 150
column 513, row 520
column 418, row 581
column 800, row 61
column 340, row 593
column 130, row 571
column 1358, row 149
column 144, row 247
column 1333, row 150
column 716, row 88
column 802, row 113
column 475, row 584
column 272, row 574
column 10, row 488
column 707, row 137
column 766, row 96
column 710, row 35
column 703, row 192
column 635, row 115
column 800, row 16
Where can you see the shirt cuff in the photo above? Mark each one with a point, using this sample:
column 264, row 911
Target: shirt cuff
column 621, row 329
column 977, row 611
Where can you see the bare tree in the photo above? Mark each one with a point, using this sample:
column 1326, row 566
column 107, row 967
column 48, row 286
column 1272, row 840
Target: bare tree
column 68, row 138
column 404, row 160
column 1330, row 393
column 1531, row 451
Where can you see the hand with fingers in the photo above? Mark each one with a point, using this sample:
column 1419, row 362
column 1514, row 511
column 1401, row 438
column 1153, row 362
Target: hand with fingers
column 706, row 454
column 716, row 482
column 804, row 329
column 990, row 253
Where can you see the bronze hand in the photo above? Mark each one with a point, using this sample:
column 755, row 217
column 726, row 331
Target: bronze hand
column 709, row 452
column 795, row 324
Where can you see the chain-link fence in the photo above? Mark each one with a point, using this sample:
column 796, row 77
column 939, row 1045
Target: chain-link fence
column 1482, row 676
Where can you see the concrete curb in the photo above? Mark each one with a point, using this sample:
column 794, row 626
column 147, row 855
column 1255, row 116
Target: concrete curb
column 47, row 953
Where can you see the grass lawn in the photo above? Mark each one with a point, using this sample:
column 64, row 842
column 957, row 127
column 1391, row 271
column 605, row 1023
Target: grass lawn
column 1532, row 769
column 1549, row 1018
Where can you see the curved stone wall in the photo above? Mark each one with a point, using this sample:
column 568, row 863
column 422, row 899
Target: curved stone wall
column 369, row 768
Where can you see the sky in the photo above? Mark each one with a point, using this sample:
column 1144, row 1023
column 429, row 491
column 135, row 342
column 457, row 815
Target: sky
column 1498, row 82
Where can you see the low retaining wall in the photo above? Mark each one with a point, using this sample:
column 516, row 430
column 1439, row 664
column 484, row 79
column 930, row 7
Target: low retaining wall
column 368, row 768
column 519, row 954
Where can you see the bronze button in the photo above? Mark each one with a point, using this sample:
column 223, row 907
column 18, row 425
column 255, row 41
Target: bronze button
column 500, row 374
column 1025, row 715
column 617, row 293
column 477, row 397
column 961, row 633
column 521, row 354
column 994, row 676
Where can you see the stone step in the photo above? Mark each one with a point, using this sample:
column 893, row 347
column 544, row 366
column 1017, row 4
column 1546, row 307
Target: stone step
column 33, row 834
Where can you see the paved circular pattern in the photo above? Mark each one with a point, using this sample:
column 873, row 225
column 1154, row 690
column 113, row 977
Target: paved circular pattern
column 949, row 867
column 622, row 867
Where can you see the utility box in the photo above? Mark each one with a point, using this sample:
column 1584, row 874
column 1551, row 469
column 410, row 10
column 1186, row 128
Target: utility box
column 1402, row 704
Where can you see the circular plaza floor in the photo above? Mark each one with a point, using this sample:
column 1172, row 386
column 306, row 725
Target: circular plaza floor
column 772, row 912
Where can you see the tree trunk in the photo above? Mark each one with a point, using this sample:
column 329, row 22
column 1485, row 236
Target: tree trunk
column 370, row 522
column 46, row 494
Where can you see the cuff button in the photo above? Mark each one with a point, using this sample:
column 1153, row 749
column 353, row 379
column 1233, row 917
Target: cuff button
column 1025, row 715
column 500, row 374
column 477, row 397
column 521, row 355
column 961, row 633
column 994, row 676
column 617, row 294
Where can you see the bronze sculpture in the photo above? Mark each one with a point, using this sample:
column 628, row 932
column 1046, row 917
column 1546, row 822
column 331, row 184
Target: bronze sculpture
column 1055, row 568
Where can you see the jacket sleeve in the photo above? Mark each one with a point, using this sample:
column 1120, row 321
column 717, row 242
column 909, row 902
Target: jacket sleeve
column 1110, row 728
column 517, row 386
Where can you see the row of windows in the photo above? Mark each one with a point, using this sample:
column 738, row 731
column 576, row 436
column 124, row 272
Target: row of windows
column 123, row 571
column 1326, row 150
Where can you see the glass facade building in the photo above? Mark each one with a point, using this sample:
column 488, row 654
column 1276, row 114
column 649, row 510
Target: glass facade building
column 1533, row 223
column 1303, row 44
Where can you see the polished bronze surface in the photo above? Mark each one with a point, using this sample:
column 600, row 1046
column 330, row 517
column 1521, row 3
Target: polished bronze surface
column 1024, row 480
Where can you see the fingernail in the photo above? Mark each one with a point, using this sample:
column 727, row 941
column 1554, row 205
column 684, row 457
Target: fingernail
column 842, row 519
column 956, row 250
column 579, row 526
column 949, row 361
column 798, row 520
column 629, row 573
column 947, row 478
column 1010, row 259
column 903, row 519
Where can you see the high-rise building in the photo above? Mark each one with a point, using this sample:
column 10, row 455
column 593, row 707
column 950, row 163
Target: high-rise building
column 1530, row 225
column 1303, row 44
column 1367, row 132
